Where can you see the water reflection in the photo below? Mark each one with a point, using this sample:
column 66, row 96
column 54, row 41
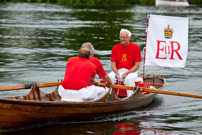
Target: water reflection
column 124, row 127
column 128, row 129
column 138, row 128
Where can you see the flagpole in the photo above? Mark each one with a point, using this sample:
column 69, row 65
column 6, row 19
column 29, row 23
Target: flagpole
column 144, row 50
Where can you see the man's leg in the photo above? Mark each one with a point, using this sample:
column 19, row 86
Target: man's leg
column 130, row 81
column 112, row 76
column 70, row 95
column 94, row 93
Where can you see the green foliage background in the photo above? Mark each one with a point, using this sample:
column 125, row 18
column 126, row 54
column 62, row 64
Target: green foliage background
column 98, row 2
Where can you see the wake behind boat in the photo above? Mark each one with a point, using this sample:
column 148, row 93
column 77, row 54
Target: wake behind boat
column 38, row 107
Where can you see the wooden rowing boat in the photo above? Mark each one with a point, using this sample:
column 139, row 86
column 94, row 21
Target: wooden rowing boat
column 39, row 107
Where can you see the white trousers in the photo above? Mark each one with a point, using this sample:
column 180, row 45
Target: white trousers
column 89, row 93
column 129, row 79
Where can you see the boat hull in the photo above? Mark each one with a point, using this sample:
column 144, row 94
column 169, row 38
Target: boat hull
column 23, row 113
column 38, row 107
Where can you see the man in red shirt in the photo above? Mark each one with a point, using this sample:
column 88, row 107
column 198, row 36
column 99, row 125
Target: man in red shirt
column 125, row 60
column 80, row 72
column 99, row 68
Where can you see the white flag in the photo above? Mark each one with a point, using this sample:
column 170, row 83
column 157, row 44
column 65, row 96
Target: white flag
column 167, row 41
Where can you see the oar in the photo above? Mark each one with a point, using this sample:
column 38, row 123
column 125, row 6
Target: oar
column 169, row 92
column 156, row 91
column 151, row 90
column 28, row 86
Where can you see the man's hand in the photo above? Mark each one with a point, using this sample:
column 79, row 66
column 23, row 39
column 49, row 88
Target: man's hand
column 95, row 82
column 117, row 75
column 124, row 75
column 91, row 80
column 109, row 83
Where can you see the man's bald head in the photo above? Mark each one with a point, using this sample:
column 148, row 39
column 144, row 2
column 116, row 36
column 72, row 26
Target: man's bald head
column 84, row 53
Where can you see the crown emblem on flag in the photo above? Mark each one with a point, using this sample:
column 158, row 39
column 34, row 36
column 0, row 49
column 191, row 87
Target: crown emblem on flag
column 168, row 32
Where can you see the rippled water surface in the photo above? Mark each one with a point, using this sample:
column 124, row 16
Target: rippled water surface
column 37, row 39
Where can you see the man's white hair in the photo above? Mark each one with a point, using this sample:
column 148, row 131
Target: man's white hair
column 129, row 33
column 89, row 46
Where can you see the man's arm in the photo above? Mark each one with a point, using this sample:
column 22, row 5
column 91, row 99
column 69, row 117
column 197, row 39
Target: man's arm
column 114, row 69
column 133, row 69
column 107, row 79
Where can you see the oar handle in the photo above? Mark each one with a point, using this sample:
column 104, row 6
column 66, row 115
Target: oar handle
column 121, row 87
column 100, row 84
column 48, row 84
column 115, row 86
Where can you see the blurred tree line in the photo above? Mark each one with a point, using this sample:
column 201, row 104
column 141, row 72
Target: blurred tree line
column 98, row 2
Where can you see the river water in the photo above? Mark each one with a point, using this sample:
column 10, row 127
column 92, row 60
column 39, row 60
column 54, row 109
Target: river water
column 37, row 39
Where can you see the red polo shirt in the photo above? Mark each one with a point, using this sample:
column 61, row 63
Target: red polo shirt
column 78, row 72
column 99, row 68
column 126, row 56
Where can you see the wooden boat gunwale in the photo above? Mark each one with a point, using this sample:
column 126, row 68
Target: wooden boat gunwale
column 51, row 103
column 116, row 101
